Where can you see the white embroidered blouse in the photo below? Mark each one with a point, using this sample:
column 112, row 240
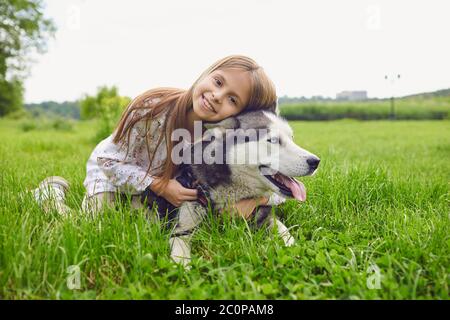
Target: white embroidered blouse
column 123, row 168
column 113, row 168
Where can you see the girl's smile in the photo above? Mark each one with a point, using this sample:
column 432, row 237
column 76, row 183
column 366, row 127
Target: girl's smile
column 207, row 105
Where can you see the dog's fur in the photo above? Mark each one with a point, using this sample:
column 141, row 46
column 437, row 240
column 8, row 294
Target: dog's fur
column 237, row 178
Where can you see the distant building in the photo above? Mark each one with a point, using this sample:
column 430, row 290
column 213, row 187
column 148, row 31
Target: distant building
column 352, row 95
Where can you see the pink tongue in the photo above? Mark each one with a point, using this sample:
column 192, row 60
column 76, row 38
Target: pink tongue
column 297, row 188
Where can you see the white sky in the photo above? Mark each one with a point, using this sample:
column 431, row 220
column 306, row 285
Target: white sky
column 306, row 47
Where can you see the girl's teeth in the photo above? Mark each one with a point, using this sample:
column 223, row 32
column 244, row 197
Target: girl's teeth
column 207, row 104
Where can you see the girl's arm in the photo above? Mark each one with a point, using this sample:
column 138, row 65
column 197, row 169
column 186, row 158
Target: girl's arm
column 127, row 177
column 125, row 165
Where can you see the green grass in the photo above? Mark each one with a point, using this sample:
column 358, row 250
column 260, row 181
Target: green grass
column 380, row 197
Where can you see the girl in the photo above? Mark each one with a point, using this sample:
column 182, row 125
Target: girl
column 135, row 157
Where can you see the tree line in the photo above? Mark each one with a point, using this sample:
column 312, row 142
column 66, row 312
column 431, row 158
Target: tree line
column 23, row 30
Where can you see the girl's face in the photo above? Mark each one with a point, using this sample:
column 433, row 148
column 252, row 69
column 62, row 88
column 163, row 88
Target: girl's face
column 221, row 94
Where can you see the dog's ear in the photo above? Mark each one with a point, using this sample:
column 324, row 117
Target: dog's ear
column 228, row 123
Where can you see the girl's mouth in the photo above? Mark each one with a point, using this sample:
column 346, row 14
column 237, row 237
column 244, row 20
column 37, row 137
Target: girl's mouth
column 205, row 104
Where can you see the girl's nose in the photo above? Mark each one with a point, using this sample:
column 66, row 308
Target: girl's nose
column 216, row 97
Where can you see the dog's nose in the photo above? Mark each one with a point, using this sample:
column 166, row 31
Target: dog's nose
column 313, row 162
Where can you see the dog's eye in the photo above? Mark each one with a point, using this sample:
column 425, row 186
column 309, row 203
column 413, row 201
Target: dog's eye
column 274, row 140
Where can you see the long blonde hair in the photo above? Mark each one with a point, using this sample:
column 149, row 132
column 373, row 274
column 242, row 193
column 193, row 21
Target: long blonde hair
column 179, row 102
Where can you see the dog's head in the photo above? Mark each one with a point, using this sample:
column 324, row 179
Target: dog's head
column 257, row 150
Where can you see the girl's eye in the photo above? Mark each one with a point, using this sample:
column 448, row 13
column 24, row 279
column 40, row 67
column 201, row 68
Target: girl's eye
column 274, row 140
column 233, row 100
column 218, row 82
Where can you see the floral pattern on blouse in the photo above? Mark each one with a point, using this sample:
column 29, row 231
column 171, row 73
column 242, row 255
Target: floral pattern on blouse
column 123, row 168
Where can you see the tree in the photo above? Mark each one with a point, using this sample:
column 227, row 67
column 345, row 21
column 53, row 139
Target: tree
column 23, row 28
column 111, row 109
column 106, row 106
column 94, row 106
column 11, row 96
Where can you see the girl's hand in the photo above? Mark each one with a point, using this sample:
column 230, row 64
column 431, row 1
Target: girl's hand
column 175, row 193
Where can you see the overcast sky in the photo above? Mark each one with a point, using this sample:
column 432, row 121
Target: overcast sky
column 307, row 47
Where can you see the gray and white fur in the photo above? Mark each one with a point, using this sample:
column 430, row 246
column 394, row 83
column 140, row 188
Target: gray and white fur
column 239, row 178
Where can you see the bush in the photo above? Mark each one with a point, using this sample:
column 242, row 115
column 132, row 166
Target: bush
column 62, row 124
column 28, row 125
column 18, row 114
column 42, row 123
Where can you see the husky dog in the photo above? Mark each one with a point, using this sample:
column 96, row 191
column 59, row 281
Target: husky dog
column 251, row 155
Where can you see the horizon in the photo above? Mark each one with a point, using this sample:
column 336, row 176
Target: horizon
column 307, row 49
column 284, row 97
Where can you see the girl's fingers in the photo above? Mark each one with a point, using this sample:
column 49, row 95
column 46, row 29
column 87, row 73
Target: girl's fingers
column 189, row 192
column 189, row 198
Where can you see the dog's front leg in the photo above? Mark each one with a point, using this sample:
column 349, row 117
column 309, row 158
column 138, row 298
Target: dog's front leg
column 282, row 230
column 263, row 216
column 180, row 249
column 189, row 217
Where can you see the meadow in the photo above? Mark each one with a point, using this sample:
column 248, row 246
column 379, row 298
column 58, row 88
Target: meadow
column 378, row 209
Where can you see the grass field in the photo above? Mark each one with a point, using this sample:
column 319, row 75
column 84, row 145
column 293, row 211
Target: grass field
column 380, row 201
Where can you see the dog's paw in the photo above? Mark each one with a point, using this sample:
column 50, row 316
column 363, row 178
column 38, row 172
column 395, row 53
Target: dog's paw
column 180, row 251
column 183, row 261
column 288, row 240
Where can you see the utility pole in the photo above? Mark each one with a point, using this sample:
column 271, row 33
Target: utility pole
column 392, row 80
